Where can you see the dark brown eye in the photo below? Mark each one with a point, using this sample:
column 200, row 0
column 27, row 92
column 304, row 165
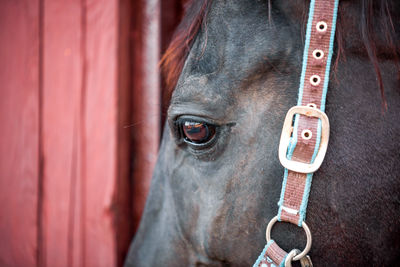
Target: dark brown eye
column 197, row 132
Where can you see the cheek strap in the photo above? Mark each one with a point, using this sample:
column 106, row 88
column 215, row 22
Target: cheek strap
column 305, row 133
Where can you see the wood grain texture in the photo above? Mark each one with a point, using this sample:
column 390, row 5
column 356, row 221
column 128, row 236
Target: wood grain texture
column 123, row 193
column 100, row 132
column 146, row 100
column 87, row 205
column 66, row 120
column 61, row 113
column 19, row 120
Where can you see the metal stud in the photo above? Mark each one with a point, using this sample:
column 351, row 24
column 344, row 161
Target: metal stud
column 315, row 80
column 318, row 54
column 322, row 26
column 306, row 134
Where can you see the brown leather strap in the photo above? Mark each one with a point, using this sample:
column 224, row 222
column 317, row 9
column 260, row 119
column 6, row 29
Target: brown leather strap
column 275, row 253
column 291, row 209
column 304, row 145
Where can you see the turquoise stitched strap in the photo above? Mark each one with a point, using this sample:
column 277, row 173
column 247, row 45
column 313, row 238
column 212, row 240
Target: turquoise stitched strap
column 262, row 255
column 264, row 261
column 293, row 142
column 306, row 194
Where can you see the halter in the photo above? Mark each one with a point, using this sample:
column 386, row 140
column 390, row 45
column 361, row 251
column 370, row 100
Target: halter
column 305, row 133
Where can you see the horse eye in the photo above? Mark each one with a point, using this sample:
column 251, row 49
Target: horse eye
column 197, row 132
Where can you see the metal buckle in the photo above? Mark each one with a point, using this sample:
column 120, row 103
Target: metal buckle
column 285, row 139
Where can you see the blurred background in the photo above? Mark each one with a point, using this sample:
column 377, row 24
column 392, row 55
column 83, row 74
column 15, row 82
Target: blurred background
column 81, row 120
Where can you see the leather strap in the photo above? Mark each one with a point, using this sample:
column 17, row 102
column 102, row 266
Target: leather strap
column 296, row 186
column 305, row 141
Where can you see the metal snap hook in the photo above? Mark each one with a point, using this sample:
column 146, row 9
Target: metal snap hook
column 306, row 261
column 308, row 235
column 290, row 256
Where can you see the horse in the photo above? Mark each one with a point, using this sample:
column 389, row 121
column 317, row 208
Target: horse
column 233, row 69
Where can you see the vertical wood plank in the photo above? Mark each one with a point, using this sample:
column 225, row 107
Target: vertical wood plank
column 85, row 146
column 62, row 82
column 87, row 105
column 123, row 194
column 19, row 142
column 100, row 132
column 146, row 100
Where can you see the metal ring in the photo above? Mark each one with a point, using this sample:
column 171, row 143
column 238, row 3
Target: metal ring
column 290, row 256
column 321, row 26
column 317, row 52
column 316, row 78
column 306, row 229
column 306, row 134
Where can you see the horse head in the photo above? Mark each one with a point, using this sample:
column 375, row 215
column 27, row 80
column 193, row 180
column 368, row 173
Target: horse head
column 218, row 178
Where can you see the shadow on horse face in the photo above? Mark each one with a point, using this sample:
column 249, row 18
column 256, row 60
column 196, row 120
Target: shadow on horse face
column 212, row 196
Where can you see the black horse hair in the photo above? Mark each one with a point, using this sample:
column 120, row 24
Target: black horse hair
column 376, row 20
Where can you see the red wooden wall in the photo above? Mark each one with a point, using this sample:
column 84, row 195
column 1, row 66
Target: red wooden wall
column 80, row 126
column 19, row 122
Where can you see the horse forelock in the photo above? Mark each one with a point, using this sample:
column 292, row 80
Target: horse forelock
column 377, row 26
column 174, row 58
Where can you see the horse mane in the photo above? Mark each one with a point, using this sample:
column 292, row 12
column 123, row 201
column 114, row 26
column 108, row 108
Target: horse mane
column 174, row 58
column 375, row 14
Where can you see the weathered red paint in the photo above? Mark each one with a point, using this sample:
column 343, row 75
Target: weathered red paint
column 123, row 195
column 85, row 147
column 61, row 113
column 99, row 132
column 76, row 88
column 146, row 100
column 19, row 126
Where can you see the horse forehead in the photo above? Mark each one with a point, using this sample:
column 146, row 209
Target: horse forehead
column 237, row 46
column 239, row 35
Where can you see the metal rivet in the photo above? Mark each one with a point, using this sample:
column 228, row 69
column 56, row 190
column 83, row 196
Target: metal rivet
column 318, row 54
column 311, row 105
column 322, row 26
column 315, row 80
column 306, row 134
